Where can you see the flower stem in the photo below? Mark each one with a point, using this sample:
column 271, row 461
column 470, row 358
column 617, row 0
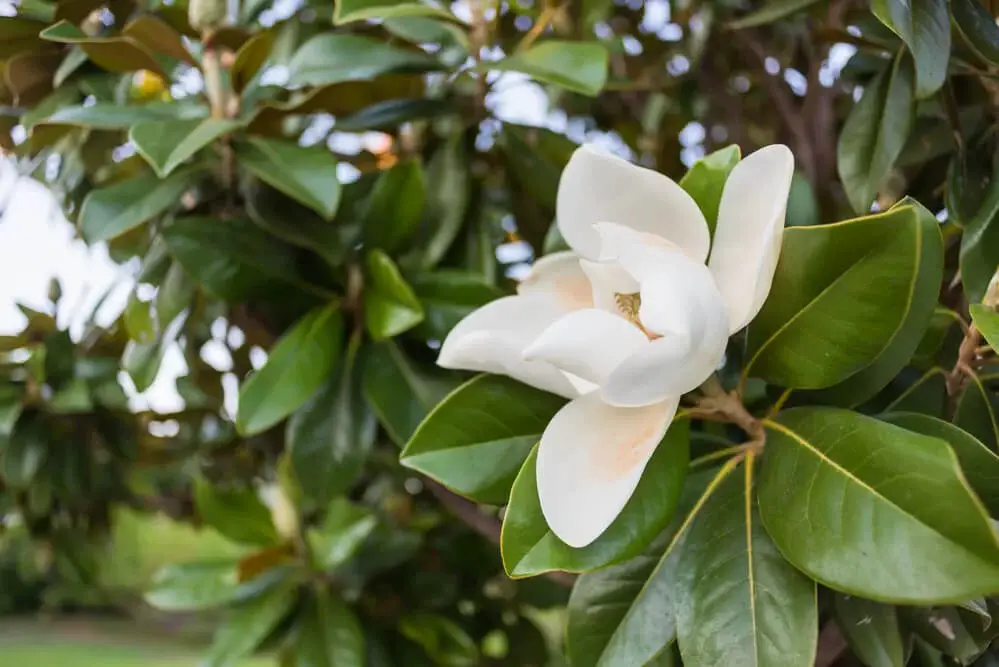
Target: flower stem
column 728, row 407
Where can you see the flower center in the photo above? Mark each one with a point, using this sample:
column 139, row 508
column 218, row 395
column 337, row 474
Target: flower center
column 628, row 306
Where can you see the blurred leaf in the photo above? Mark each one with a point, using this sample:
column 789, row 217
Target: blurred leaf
column 329, row 635
column 306, row 174
column 330, row 437
column 978, row 28
column 23, row 453
column 976, row 413
column 395, row 206
column 249, row 59
column 391, row 113
column 448, row 296
column 347, row 11
column 802, row 207
column 706, row 179
column 111, row 211
column 248, row 625
column 341, row 534
column 819, row 458
column 142, row 362
column 771, row 11
column 296, row 224
column 237, row 513
column 11, row 405
column 924, row 25
column 872, row 630
column 297, row 365
column 447, row 199
column 159, row 37
column 165, row 145
column 400, row 391
column 986, row 320
column 390, row 307
column 875, row 133
column 947, row 628
column 476, row 440
column 140, row 319
column 193, row 586
column 174, row 295
column 576, row 66
column 442, row 639
column 19, row 34
column 530, row 548
column 115, row 54
column 980, row 243
column 332, row 58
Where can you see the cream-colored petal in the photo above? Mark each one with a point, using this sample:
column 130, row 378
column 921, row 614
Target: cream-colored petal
column 750, row 229
column 608, row 279
column 560, row 275
column 588, row 343
column 598, row 187
column 590, row 460
column 492, row 339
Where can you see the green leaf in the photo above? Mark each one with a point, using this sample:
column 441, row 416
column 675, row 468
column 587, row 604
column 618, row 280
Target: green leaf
column 980, row 244
column 740, row 602
column 110, row 116
column 979, row 464
column 11, row 405
column 976, row 413
column 390, row 307
column 329, row 635
column 237, row 513
column 142, row 362
column 443, row 640
column 109, row 212
column 19, row 34
column 233, row 259
column 348, row 11
column 448, row 296
column 395, row 206
column 341, row 534
column 139, row 318
column 770, row 12
column 706, row 179
column 294, row 223
column 978, row 28
column 447, row 199
column 986, row 320
column 875, row 132
column 802, row 206
column 847, row 297
column 249, row 59
column 194, row 586
column 332, row 58
column 576, row 66
column 121, row 53
column 307, row 174
column 330, row 437
column 476, row 440
column 400, row 391
column 927, row 395
column 830, row 475
column 23, row 452
column 166, row 145
column 248, row 625
column 297, row 366
column 950, row 629
column 158, row 36
column 924, row 25
column 530, row 548
column 872, row 630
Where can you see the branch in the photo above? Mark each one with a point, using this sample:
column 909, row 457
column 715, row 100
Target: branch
column 830, row 646
column 485, row 525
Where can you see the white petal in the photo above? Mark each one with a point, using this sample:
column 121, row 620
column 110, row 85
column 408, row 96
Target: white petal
column 608, row 279
column 588, row 343
column 598, row 187
column 590, row 460
column 750, row 230
column 560, row 274
column 492, row 339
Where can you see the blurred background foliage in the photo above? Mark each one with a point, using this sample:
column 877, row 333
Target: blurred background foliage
column 305, row 196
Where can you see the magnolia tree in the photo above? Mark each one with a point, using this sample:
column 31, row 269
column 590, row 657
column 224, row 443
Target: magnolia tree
column 592, row 333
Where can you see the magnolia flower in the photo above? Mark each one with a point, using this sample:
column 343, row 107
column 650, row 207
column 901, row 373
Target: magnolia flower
column 632, row 318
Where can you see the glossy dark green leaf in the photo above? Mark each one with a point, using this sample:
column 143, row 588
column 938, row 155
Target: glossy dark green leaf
column 158, row 36
column 111, row 211
column 441, row 638
column 829, row 475
column 390, row 307
column 770, row 12
column 986, row 320
column 950, row 629
column 395, row 206
column 296, row 367
column 248, row 625
column 304, row 173
column 249, row 59
column 232, row 258
column 976, row 413
column 448, row 296
column 142, row 362
column 332, row 58
column 401, row 391
column 980, row 243
column 927, row 395
column 447, row 199
column 875, row 132
column 166, row 145
column 121, row 53
column 109, row 116
column 924, row 25
column 342, row 533
column 871, row 629
column 329, row 634
column 237, row 513
column 706, row 179
column 576, row 66
column 978, row 28
column 330, row 437
column 11, row 406
column 979, row 464
column 849, row 302
column 530, row 548
column 23, row 453
column 392, row 113
column 347, row 11
column 802, row 206
column 294, row 223
column 740, row 602
column 194, row 586
column 475, row 441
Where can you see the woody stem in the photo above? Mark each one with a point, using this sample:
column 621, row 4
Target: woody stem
column 728, row 405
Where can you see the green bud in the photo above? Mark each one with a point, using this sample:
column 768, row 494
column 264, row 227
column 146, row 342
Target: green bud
column 206, row 14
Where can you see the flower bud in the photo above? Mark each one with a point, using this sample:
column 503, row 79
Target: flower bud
column 206, row 14
column 992, row 292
